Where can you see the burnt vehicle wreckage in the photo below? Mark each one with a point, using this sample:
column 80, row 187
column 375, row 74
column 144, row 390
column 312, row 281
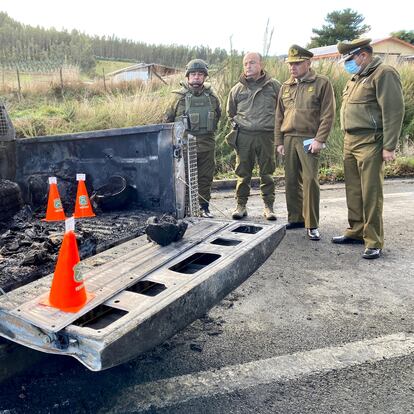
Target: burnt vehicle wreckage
column 143, row 292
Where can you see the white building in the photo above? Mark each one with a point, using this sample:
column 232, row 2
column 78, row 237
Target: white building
column 143, row 72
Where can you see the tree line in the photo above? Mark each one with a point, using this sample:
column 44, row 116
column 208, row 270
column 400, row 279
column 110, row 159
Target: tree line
column 21, row 43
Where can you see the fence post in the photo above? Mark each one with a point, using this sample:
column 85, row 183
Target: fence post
column 19, row 94
column 103, row 76
column 61, row 80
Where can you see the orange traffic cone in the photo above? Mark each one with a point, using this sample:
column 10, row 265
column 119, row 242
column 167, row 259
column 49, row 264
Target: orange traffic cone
column 83, row 207
column 54, row 210
column 68, row 292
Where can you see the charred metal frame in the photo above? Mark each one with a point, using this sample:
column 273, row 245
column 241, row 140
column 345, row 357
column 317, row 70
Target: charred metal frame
column 150, row 158
column 7, row 146
column 179, row 283
column 142, row 293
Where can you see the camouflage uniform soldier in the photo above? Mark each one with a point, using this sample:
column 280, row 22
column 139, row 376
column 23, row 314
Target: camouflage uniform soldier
column 371, row 116
column 199, row 107
column 305, row 111
column 251, row 110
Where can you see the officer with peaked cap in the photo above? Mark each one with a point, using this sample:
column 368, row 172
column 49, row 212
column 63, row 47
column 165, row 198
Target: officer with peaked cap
column 371, row 117
column 198, row 105
column 298, row 54
column 305, row 112
column 349, row 49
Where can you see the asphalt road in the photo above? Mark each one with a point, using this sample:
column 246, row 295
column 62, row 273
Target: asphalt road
column 317, row 329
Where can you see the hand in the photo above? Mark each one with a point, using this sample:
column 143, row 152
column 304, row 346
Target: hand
column 315, row 147
column 280, row 149
column 388, row 155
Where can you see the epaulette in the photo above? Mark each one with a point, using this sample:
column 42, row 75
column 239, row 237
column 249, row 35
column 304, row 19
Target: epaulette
column 182, row 91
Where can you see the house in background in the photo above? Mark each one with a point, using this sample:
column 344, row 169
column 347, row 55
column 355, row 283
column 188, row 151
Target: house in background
column 142, row 72
column 391, row 48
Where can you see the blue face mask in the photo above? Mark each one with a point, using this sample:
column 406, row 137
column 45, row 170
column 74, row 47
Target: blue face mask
column 351, row 67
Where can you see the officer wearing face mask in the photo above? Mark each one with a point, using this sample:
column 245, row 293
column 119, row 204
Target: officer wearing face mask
column 371, row 117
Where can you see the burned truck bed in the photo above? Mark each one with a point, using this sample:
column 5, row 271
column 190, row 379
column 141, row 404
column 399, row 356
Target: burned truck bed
column 150, row 159
column 142, row 292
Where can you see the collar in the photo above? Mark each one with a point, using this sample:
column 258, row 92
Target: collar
column 375, row 62
column 262, row 78
column 310, row 76
column 196, row 92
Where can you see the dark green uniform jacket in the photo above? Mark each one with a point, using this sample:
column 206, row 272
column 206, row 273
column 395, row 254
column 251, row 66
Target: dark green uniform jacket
column 305, row 108
column 202, row 109
column 373, row 103
column 251, row 103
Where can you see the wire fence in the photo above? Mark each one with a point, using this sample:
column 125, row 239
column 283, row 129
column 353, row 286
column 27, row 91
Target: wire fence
column 21, row 77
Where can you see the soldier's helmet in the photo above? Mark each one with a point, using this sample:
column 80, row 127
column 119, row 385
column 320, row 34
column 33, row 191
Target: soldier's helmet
column 196, row 65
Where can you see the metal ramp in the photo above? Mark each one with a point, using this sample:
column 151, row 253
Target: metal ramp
column 145, row 293
column 107, row 280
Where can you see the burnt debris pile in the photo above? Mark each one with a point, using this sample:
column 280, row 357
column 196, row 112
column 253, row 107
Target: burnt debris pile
column 29, row 247
column 10, row 199
column 165, row 229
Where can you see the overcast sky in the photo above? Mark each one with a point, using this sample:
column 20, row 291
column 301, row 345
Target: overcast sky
column 209, row 22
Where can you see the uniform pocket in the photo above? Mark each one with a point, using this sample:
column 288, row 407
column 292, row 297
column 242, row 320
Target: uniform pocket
column 287, row 101
column 194, row 121
column 211, row 121
column 363, row 93
column 242, row 96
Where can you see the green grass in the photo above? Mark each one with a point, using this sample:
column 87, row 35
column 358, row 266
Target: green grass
column 45, row 109
column 402, row 167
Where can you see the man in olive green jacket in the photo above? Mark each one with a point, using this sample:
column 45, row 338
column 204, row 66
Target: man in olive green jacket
column 199, row 108
column 304, row 118
column 251, row 110
column 371, row 116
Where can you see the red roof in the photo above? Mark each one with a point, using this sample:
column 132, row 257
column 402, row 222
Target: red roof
column 331, row 51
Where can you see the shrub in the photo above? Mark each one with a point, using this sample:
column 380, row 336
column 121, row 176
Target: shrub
column 49, row 109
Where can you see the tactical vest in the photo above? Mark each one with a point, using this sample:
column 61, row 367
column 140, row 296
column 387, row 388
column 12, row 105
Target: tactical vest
column 199, row 114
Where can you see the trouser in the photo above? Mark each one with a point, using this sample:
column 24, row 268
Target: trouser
column 249, row 147
column 301, row 183
column 206, row 165
column 364, row 179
